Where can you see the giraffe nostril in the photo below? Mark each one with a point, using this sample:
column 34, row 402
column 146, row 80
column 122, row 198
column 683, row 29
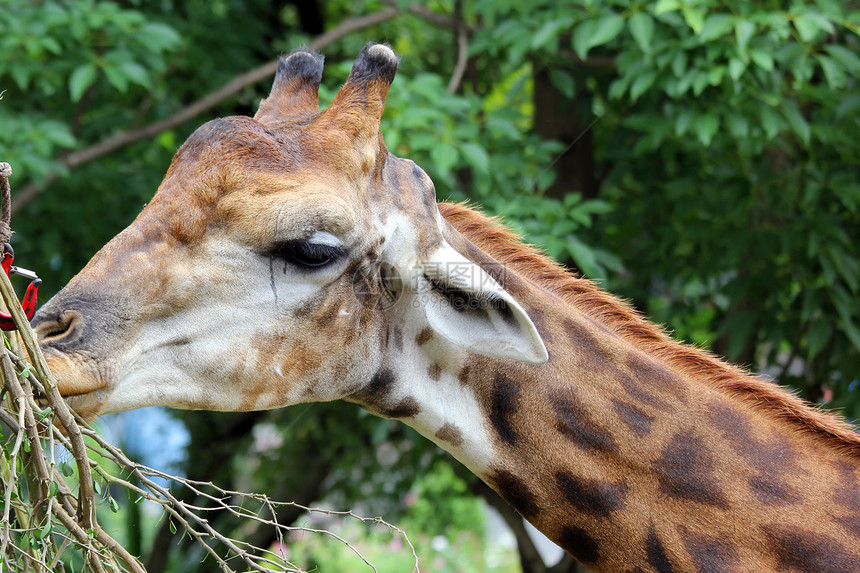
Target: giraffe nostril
column 56, row 328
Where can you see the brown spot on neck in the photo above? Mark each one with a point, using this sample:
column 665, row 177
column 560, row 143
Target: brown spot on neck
column 579, row 543
column 656, row 553
column 463, row 375
column 685, row 471
column 434, row 372
column 405, row 408
column 848, row 493
column 505, row 404
column 635, row 419
column 595, row 497
column 710, row 553
column 799, row 550
column 514, row 491
column 451, row 434
column 577, row 425
column 425, row 335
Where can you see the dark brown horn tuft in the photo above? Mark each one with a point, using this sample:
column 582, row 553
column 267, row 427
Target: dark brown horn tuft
column 295, row 92
column 374, row 61
column 357, row 107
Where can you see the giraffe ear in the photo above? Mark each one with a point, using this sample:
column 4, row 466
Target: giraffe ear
column 465, row 305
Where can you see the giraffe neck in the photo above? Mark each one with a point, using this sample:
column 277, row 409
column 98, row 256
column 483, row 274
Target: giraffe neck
column 626, row 462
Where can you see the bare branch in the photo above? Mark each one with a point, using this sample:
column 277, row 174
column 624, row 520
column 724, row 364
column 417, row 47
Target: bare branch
column 434, row 18
column 462, row 50
column 238, row 83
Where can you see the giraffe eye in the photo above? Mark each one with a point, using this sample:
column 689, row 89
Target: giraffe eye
column 307, row 254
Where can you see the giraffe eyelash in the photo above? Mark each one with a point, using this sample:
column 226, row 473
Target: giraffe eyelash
column 306, row 254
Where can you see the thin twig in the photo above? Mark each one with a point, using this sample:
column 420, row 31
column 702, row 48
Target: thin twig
column 52, row 394
column 5, row 197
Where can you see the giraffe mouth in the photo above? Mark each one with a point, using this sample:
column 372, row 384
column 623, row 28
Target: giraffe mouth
column 88, row 406
column 84, row 393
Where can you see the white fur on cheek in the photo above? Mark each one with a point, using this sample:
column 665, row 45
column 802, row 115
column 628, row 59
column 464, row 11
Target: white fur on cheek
column 201, row 355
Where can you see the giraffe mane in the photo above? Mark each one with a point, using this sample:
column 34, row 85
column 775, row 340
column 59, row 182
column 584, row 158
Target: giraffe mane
column 498, row 241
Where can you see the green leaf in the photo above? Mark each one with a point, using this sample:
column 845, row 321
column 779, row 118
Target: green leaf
column 547, row 35
column 846, row 264
column 114, row 506
column 715, row 75
column 66, row 469
column 844, row 305
column 160, row 36
column 796, row 120
column 694, row 17
column 817, row 337
column 664, row 6
column 641, row 84
column 476, row 156
column 762, row 58
column 563, row 81
column 53, row 489
column 811, row 302
column 641, row 27
column 833, row 72
column 618, row 88
column 738, row 125
column 136, row 73
column 849, row 107
column 700, row 81
column 97, row 487
column 59, row 134
column 52, row 45
column 802, row 68
column 582, row 38
column 607, row 29
column 80, row 80
column 46, row 530
column 810, row 23
column 770, row 122
column 851, row 331
column 596, row 32
column 583, row 256
column 744, row 30
column 445, row 156
column 683, row 122
column 706, row 127
column 172, row 526
column 116, row 77
column 740, row 327
column 679, row 63
column 848, row 59
column 716, row 25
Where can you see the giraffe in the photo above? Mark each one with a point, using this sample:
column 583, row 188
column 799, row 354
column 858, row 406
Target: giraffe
column 291, row 258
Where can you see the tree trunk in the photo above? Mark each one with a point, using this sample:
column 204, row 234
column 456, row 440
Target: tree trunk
column 569, row 121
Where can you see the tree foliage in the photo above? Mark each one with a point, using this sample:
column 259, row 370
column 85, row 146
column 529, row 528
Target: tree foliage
column 717, row 142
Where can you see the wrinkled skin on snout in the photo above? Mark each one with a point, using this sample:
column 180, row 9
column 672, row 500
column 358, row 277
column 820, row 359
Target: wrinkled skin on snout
column 271, row 264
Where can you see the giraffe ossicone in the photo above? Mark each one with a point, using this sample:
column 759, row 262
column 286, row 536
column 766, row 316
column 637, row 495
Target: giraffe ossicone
column 323, row 262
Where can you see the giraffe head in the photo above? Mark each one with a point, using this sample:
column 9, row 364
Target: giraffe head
column 272, row 264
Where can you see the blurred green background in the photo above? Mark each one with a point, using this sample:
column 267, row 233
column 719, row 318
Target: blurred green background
column 699, row 158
